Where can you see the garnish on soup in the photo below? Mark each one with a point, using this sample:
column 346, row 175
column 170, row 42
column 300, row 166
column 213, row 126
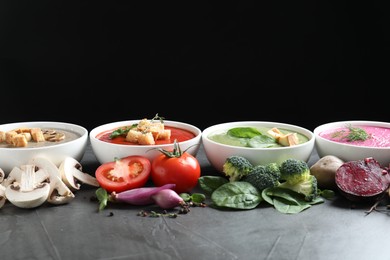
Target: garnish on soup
column 145, row 132
column 353, row 134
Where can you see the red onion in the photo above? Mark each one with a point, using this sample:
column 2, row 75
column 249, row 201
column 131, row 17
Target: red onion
column 140, row 196
column 167, row 199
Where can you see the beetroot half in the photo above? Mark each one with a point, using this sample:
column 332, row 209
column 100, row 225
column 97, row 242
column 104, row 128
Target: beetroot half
column 362, row 180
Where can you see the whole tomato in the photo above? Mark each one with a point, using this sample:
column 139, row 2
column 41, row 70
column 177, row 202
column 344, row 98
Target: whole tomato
column 177, row 167
column 124, row 174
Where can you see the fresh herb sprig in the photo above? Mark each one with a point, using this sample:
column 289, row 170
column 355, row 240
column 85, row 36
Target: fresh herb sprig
column 354, row 134
column 357, row 134
column 157, row 117
column 122, row 131
column 125, row 130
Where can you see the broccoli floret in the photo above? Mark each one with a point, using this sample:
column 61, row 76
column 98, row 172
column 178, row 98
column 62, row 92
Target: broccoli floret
column 307, row 187
column 263, row 177
column 294, row 171
column 236, row 167
column 274, row 169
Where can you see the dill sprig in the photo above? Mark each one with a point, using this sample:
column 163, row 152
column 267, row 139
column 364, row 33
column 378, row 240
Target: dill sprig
column 357, row 134
column 354, row 134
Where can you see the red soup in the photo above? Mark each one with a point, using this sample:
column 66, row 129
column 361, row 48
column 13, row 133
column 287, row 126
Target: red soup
column 176, row 133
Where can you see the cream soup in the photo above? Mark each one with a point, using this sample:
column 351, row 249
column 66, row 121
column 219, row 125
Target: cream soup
column 264, row 140
column 68, row 136
column 377, row 136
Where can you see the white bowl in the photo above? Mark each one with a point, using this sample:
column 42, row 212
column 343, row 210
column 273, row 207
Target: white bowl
column 16, row 156
column 217, row 153
column 107, row 152
column 350, row 151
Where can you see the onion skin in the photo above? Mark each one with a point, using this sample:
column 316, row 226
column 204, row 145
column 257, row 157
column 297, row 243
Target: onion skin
column 139, row 196
column 167, row 199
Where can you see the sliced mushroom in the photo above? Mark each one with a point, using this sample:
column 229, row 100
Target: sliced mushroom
column 59, row 192
column 16, row 174
column 28, row 193
column 72, row 174
column 3, row 199
column 2, row 175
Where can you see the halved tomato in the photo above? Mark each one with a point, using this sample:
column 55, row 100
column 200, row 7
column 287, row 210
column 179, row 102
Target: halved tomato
column 124, row 174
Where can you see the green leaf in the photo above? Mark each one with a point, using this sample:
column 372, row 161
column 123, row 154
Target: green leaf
column 211, row 183
column 243, row 132
column 317, row 200
column 237, row 195
column 185, row 196
column 288, row 195
column 327, row 194
column 283, row 206
column 198, row 197
column 121, row 131
column 195, row 197
column 287, row 201
column 102, row 196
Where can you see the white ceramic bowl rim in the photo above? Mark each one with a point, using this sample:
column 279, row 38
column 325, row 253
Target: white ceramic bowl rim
column 113, row 125
column 309, row 134
column 337, row 124
column 82, row 131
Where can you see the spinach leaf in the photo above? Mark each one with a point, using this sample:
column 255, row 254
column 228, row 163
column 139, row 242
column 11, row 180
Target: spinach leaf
column 210, row 183
column 236, row 195
column 243, row 132
column 287, row 201
column 285, row 207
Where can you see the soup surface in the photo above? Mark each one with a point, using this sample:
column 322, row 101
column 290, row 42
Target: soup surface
column 262, row 140
column 376, row 136
column 176, row 133
column 68, row 136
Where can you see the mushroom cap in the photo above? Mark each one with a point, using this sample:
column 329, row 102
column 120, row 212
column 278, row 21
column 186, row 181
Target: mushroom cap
column 28, row 199
column 59, row 192
column 72, row 174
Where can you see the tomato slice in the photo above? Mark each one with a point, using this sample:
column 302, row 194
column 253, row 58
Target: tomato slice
column 124, row 174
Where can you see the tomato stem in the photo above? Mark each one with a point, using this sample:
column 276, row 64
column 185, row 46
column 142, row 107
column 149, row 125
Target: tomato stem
column 176, row 152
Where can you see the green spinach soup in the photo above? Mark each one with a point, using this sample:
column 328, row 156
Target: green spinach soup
column 258, row 137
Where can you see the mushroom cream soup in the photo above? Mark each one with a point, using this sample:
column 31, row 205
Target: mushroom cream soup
column 52, row 136
column 262, row 140
column 376, row 136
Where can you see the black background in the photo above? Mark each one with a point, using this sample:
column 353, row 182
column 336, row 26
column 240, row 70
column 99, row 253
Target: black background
column 91, row 63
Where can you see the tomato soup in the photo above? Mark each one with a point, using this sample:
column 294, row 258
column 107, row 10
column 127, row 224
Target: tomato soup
column 176, row 133
column 377, row 136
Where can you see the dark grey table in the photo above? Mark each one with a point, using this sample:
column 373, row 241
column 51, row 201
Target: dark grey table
column 335, row 229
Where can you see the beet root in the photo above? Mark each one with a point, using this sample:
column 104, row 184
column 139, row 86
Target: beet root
column 362, row 180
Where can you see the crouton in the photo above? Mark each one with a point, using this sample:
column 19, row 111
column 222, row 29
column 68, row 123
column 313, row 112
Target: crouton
column 9, row 136
column 19, row 140
column 133, row 136
column 146, row 139
column 37, row 135
column 2, row 136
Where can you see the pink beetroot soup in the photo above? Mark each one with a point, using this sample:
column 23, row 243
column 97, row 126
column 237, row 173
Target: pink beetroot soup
column 377, row 136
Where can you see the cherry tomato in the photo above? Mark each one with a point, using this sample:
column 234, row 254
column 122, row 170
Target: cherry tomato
column 180, row 168
column 124, row 174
